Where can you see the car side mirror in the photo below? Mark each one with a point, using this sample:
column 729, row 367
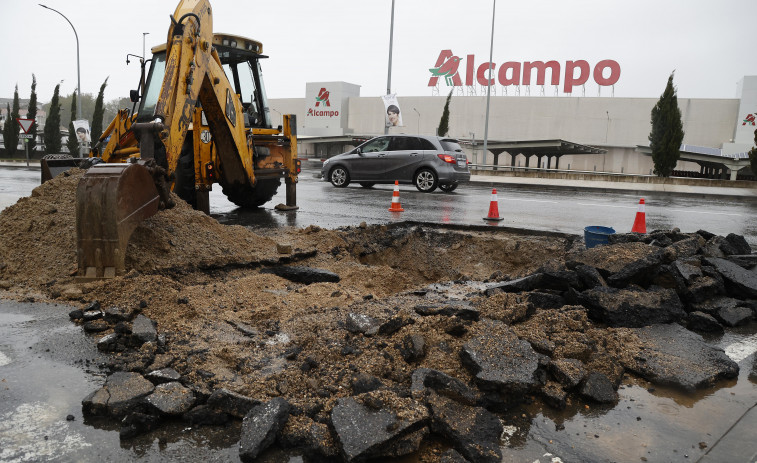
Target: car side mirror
column 358, row 151
column 134, row 96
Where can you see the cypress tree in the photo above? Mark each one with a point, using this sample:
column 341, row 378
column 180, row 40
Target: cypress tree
column 10, row 131
column 753, row 156
column 31, row 113
column 51, row 133
column 444, row 122
column 667, row 132
column 97, row 116
column 6, row 124
column 73, row 141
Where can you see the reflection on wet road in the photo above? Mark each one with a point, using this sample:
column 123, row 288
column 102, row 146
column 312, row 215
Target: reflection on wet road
column 565, row 211
column 47, row 366
column 546, row 209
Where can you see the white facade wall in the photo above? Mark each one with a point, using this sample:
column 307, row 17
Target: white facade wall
column 615, row 124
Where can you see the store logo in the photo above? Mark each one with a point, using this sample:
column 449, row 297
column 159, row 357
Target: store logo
column 749, row 119
column 323, row 97
column 576, row 73
column 446, row 69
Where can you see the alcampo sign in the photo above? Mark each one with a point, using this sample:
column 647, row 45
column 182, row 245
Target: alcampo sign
column 323, row 99
column 605, row 73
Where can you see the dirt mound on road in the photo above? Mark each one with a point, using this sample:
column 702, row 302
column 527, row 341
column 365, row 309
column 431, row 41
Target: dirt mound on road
column 228, row 324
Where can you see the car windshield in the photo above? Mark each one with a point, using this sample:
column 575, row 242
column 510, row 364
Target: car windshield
column 451, row 145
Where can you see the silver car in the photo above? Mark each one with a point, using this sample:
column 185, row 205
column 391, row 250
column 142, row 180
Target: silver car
column 425, row 161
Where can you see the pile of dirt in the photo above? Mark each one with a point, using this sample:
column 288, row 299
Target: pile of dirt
column 227, row 324
column 201, row 281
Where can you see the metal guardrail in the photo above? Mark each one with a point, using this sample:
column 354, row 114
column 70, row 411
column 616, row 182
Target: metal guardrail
column 501, row 168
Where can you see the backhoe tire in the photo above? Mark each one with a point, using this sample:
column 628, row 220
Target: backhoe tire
column 185, row 174
column 249, row 197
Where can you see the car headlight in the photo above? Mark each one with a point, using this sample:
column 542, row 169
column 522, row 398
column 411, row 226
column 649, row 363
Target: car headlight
column 325, row 162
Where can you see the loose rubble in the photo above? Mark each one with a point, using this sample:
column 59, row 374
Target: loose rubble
column 367, row 342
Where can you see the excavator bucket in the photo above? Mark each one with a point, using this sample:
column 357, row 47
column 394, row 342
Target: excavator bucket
column 111, row 200
column 54, row 164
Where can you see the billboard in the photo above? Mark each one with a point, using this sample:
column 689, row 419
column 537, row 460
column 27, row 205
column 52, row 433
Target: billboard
column 82, row 131
column 392, row 116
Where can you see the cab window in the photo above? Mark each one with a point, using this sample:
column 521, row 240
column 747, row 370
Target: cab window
column 151, row 93
column 242, row 77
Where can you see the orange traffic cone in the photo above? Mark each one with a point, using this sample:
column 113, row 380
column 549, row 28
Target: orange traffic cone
column 396, row 198
column 493, row 208
column 640, row 223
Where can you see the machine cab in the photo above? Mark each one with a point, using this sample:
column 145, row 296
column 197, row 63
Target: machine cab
column 240, row 58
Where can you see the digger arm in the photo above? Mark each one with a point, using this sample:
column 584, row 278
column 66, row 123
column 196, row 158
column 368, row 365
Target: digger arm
column 112, row 199
column 194, row 73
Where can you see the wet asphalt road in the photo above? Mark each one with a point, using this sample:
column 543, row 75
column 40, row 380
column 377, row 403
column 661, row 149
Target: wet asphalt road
column 47, row 364
column 558, row 210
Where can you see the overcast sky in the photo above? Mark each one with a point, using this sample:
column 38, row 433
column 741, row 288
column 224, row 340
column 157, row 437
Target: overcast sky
column 710, row 44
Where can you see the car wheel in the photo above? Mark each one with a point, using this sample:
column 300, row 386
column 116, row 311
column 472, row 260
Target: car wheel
column 425, row 180
column 448, row 187
column 339, row 177
column 367, row 184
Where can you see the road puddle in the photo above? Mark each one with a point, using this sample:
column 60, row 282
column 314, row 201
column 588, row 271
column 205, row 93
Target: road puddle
column 649, row 423
column 47, row 365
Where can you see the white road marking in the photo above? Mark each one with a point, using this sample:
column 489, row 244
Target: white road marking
column 522, row 200
column 685, row 211
column 688, row 211
column 607, row 205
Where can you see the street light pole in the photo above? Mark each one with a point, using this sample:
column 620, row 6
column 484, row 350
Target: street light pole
column 489, row 84
column 144, row 57
column 78, row 69
column 389, row 76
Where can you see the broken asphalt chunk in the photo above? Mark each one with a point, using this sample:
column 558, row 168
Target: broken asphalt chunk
column 502, row 362
column 305, row 275
column 260, row 427
column 632, row 308
column 363, row 431
column 672, row 355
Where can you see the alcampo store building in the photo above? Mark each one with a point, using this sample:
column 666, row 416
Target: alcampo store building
column 533, row 131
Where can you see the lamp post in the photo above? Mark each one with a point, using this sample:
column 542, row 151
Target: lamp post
column 419, row 120
column 144, row 34
column 473, row 146
column 389, row 74
column 78, row 69
column 489, row 83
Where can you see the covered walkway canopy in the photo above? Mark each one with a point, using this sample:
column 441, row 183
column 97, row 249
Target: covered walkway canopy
column 713, row 163
column 327, row 146
column 539, row 148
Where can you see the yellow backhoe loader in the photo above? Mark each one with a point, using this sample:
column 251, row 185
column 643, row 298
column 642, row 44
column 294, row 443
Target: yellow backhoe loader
column 202, row 118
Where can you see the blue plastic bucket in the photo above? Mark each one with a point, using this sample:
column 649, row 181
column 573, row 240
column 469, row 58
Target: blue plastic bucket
column 597, row 236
